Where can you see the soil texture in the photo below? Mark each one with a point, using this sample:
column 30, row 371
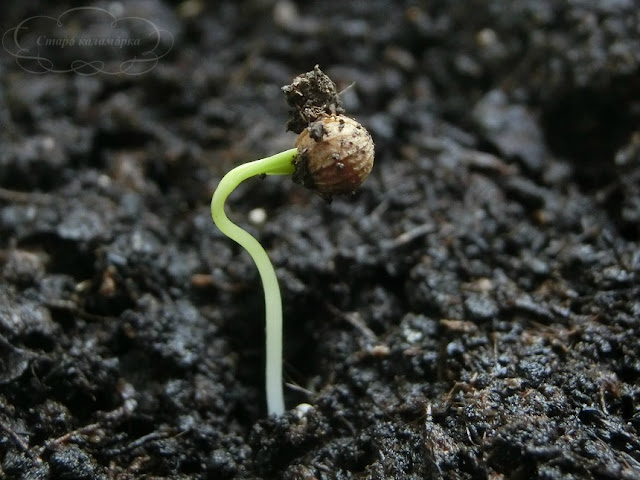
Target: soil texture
column 471, row 312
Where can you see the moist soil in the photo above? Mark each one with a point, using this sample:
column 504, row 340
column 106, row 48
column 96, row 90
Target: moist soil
column 471, row 312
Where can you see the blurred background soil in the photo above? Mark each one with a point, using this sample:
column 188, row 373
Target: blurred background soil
column 471, row 312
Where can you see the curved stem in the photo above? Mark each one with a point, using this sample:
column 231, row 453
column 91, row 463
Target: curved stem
column 279, row 164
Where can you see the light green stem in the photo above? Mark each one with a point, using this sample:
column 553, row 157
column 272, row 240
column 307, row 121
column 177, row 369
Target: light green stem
column 279, row 164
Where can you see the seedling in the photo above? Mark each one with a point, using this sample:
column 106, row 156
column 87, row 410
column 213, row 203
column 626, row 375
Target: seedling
column 279, row 164
column 333, row 155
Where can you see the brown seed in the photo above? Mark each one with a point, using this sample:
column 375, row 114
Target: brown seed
column 335, row 155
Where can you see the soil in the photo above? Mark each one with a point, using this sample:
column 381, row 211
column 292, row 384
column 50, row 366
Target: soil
column 471, row 312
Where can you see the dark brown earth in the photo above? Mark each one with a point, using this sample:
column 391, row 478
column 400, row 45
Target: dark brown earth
column 472, row 312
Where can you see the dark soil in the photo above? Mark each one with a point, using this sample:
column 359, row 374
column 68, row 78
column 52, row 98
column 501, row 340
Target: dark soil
column 471, row 312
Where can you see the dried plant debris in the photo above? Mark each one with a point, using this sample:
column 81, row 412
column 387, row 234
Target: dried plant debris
column 311, row 95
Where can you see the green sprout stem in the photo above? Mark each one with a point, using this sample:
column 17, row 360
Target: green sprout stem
column 279, row 164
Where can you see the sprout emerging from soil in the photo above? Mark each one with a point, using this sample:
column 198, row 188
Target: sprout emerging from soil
column 333, row 155
column 279, row 164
